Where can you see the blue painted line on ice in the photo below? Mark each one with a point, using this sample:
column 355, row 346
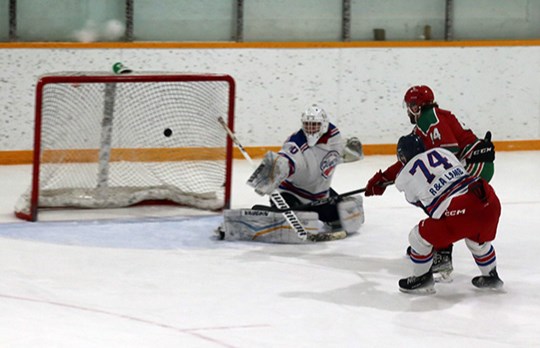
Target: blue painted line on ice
column 145, row 233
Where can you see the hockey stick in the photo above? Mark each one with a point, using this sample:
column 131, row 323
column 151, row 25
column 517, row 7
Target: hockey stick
column 275, row 196
column 331, row 199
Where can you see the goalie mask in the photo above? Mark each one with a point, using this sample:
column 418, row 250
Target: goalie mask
column 314, row 124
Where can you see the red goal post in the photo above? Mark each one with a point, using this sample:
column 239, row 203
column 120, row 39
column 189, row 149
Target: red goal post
column 115, row 140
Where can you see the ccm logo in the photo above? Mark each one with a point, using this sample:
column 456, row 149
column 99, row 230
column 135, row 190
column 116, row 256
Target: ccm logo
column 455, row 212
column 484, row 150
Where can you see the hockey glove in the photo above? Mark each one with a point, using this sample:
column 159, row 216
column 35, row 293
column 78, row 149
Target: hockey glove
column 377, row 184
column 269, row 174
column 353, row 150
column 484, row 151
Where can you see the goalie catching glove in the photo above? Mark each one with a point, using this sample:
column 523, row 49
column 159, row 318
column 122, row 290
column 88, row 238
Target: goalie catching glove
column 269, row 174
column 482, row 151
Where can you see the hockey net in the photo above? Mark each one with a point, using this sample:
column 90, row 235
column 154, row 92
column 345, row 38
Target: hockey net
column 107, row 141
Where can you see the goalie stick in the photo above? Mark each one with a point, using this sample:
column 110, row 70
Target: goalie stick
column 327, row 236
column 275, row 196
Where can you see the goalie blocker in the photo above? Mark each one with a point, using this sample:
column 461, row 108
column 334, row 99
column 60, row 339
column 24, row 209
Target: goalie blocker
column 271, row 227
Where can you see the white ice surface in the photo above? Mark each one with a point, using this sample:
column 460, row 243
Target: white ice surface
column 156, row 277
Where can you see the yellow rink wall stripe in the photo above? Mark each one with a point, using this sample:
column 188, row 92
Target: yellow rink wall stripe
column 203, row 153
column 390, row 149
column 265, row 45
column 135, row 155
column 129, row 155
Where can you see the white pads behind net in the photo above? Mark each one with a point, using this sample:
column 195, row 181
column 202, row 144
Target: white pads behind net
column 266, row 226
column 351, row 213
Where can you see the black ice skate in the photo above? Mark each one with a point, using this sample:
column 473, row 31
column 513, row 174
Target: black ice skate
column 219, row 232
column 488, row 282
column 423, row 284
column 442, row 265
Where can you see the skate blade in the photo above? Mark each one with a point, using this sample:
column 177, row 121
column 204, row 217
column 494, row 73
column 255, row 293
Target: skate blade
column 498, row 287
column 490, row 289
column 422, row 291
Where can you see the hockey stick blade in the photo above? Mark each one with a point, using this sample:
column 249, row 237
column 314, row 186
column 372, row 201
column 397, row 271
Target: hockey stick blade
column 327, row 236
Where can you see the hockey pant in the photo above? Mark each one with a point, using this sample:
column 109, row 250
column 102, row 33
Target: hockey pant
column 473, row 216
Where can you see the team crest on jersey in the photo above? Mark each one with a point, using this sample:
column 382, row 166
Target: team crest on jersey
column 329, row 163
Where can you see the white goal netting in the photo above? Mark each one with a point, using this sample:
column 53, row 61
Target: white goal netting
column 105, row 141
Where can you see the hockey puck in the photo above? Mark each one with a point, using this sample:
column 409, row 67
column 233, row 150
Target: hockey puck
column 167, row 132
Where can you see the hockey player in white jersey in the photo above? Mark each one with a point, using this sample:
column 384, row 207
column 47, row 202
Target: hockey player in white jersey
column 302, row 172
column 459, row 206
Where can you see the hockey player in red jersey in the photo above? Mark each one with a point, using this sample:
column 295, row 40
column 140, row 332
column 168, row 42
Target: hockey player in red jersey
column 459, row 205
column 437, row 127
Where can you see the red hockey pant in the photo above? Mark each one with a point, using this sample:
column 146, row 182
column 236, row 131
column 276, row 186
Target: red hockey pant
column 468, row 216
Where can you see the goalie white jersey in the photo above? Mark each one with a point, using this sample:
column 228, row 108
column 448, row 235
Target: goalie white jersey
column 312, row 168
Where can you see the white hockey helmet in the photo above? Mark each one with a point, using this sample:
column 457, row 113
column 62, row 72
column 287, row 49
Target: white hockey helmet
column 314, row 124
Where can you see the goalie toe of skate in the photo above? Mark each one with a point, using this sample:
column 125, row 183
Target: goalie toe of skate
column 219, row 232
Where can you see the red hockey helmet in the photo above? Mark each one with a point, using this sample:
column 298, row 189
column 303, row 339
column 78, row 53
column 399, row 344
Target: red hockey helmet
column 415, row 98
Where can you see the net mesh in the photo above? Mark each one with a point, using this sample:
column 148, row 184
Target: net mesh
column 115, row 144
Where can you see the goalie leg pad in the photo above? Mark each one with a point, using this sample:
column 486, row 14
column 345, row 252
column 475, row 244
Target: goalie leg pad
column 351, row 213
column 266, row 226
